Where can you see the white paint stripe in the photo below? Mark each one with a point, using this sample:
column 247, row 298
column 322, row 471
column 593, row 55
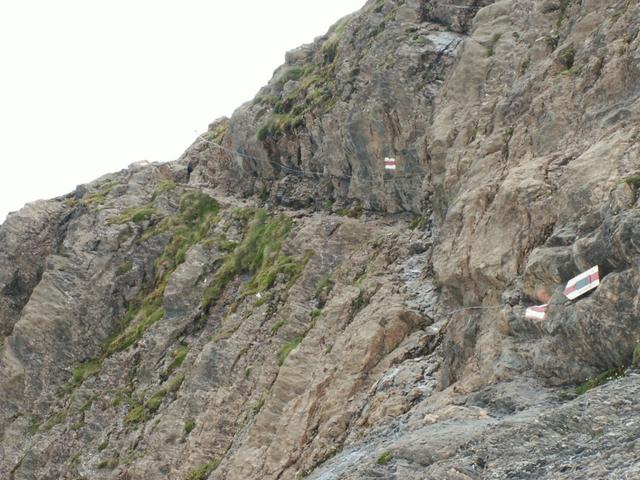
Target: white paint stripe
column 581, row 291
column 539, row 312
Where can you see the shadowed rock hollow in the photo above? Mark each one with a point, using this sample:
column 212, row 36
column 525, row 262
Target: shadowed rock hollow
column 274, row 305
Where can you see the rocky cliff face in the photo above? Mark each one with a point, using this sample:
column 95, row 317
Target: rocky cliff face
column 275, row 305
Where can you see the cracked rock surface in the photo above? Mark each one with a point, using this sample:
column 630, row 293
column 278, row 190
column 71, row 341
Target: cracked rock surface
column 276, row 305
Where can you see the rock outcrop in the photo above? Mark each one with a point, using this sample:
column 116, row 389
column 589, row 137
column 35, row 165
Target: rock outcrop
column 276, row 305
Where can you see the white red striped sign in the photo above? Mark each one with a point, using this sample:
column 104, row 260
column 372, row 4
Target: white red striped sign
column 389, row 163
column 539, row 312
column 583, row 283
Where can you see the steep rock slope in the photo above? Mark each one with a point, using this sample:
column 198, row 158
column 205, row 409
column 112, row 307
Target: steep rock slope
column 242, row 313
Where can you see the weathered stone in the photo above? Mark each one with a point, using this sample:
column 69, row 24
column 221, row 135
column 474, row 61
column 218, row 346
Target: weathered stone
column 148, row 331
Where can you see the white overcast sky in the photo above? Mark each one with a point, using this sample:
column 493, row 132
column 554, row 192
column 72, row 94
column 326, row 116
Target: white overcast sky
column 87, row 86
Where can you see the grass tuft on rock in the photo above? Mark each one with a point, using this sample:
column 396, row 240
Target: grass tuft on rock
column 315, row 92
column 259, row 254
column 203, row 471
column 135, row 215
column 601, row 379
column 287, row 348
column 189, row 425
column 124, row 268
column 85, row 370
column 635, row 360
column 191, row 225
column 178, row 356
column 385, row 458
column 109, row 464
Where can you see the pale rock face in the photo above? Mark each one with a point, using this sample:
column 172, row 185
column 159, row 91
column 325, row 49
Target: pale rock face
column 262, row 308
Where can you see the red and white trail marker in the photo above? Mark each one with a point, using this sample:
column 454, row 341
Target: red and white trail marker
column 539, row 312
column 389, row 163
column 583, row 283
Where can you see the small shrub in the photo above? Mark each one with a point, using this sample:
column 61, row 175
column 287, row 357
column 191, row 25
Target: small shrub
column 247, row 372
column 103, row 445
column 385, row 458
